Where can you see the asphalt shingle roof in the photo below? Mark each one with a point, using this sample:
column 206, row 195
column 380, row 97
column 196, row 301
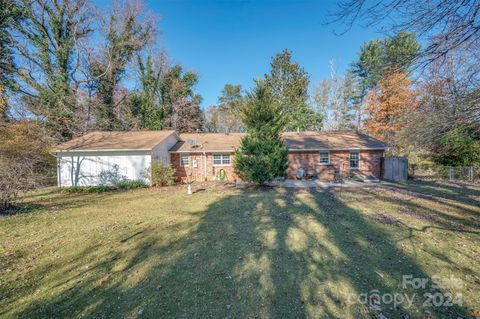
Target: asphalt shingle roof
column 200, row 142
column 217, row 142
column 102, row 141
column 295, row 141
column 331, row 140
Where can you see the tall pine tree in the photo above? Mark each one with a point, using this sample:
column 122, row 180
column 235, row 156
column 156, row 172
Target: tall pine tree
column 288, row 84
column 262, row 156
column 230, row 103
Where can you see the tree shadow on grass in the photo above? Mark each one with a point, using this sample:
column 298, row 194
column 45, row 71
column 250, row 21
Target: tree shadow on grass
column 441, row 213
column 251, row 254
column 22, row 208
column 445, row 190
column 59, row 200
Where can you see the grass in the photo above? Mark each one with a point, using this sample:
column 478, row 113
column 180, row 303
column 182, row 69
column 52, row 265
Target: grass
column 225, row 252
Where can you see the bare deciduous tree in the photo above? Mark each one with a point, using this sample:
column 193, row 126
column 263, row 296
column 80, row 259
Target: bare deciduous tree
column 128, row 30
column 334, row 100
column 186, row 115
column 49, row 38
column 449, row 97
column 24, row 160
column 449, row 24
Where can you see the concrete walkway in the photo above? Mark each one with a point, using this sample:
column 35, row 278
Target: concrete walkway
column 318, row 184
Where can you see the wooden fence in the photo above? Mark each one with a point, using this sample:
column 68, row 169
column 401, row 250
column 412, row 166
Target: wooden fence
column 395, row 168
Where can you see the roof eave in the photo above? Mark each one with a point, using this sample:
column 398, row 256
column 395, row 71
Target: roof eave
column 105, row 150
column 337, row 149
column 290, row 150
column 203, row 151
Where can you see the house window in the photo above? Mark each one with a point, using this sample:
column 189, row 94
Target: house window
column 184, row 160
column 221, row 159
column 354, row 160
column 324, row 158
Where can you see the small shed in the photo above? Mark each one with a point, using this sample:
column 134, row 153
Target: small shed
column 105, row 158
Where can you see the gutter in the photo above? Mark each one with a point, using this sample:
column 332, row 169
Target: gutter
column 339, row 149
column 204, row 151
column 294, row 150
column 105, row 150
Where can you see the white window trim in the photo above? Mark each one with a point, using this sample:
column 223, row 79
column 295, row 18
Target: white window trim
column 349, row 160
column 320, row 157
column 221, row 164
column 188, row 157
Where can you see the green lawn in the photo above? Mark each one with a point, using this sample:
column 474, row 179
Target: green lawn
column 226, row 252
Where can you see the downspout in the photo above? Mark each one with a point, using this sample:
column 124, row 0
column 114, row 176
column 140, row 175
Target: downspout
column 59, row 173
column 205, row 165
column 150, row 168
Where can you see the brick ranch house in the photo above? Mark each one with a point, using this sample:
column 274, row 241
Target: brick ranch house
column 106, row 157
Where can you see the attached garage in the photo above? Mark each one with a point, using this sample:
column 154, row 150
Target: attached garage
column 105, row 158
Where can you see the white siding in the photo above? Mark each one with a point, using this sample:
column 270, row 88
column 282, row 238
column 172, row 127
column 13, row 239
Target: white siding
column 160, row 152
column 96, row 168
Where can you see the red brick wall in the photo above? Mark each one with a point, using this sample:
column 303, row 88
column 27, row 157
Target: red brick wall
column 369, row 163
column 310, row 161
column 198, row 172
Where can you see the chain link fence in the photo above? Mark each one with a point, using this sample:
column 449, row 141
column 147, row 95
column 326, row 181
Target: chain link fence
column 451, row 173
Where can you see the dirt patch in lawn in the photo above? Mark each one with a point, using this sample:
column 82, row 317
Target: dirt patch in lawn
column 386, row 219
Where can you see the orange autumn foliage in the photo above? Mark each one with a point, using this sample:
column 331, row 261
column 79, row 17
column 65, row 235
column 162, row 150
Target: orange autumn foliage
column 386, row 104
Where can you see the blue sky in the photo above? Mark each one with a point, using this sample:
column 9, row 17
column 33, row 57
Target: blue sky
column 233, row 41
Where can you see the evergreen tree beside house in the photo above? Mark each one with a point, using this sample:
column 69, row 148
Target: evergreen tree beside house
column 262, row 155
